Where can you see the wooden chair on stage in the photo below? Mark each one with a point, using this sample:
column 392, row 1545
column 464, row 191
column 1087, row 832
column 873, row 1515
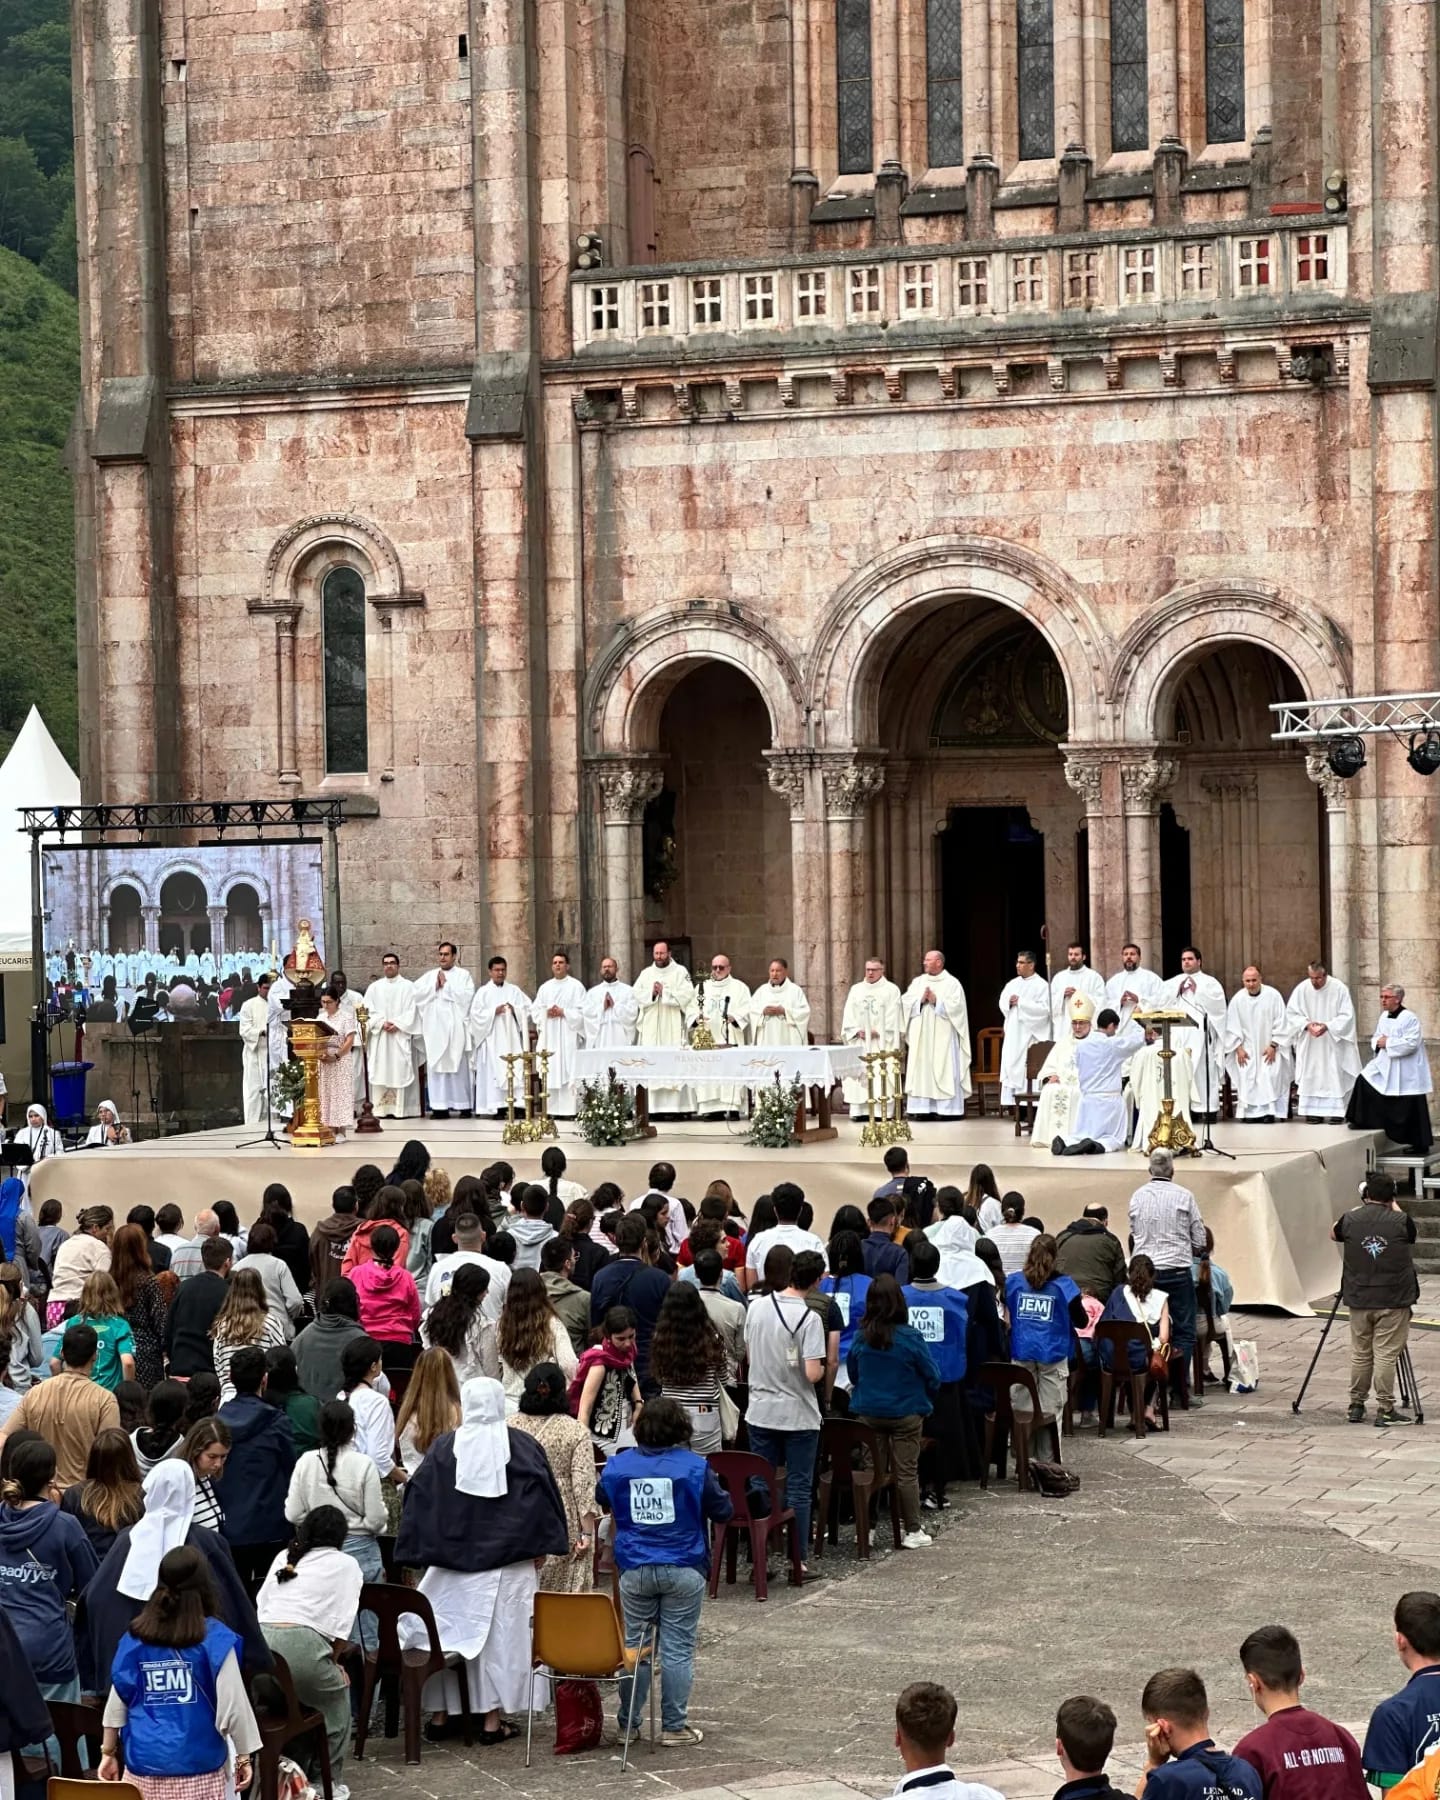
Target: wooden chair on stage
column 1027, row 1102
column 985, row 1075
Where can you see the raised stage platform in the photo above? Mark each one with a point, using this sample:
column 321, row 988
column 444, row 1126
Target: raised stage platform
column 1271, row 1209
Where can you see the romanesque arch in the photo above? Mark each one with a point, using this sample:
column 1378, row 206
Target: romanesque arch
column 343, row 536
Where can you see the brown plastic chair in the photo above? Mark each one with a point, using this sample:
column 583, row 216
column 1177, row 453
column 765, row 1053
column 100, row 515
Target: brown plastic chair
column 67, row 1787
column 279, row 1729
column 1028, row 1099
column 74, row 1722
column 1120, row 1334
column 1000, row 1378
column 409, row 1669
column 580, row 1637
column 852, row 1456
column 1205, row 1336
column 986, row 1073
column 733, row 1468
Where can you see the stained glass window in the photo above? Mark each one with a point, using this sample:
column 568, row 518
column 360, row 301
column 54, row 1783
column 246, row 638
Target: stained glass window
column 852, row 86
column 1225, row 71
column 1129, row 76
column 1035, row 42
column 347, row 750
column 943, row 88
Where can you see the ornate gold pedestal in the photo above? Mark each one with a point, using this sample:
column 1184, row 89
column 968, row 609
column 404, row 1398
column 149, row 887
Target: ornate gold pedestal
column 307, row 1132
column 536, row 1125
column 884, row 1091
column 1170, row 1131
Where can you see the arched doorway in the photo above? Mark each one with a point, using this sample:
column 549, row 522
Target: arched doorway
column 717, row 837
column 127, row 922
column 243, row 929
column 184, row 922
column 1242, row 857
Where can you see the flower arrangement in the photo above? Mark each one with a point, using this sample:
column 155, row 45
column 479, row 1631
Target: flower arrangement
column 606, row 1115
column 772, row 1124
column 287, row 1085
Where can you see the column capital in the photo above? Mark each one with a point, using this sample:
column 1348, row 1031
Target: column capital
column 1331, row 785
column 786, row 771
column 1085, row 774
column 851, row 783
column 626, row 787
column 1142, row 783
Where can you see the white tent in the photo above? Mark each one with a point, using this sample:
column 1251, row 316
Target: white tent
column 33, row 774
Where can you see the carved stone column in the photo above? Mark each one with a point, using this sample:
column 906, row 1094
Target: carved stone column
column 893, row 942
column 1339, row 954
column 1105, row 931
column 286, row 622
column 626, row 787
column 793, row 775
column 216, row 916
column 1142, row 784
column 151, row 916
column 1230, row 924
column 850, row 784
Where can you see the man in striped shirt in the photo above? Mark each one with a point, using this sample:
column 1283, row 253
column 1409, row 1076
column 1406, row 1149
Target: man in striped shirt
column 1166, row 1226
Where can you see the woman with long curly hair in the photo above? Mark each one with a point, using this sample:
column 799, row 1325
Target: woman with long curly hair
column 430, row 1408
column 530, row 1332
column 243, row 1318
column 140, row 1297
column 456, row 1324
column 687, row 1358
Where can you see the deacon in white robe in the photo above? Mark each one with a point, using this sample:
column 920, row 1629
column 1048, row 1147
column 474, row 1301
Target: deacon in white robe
column 1077, row 977
column 1132, row 986
column 779, row 1011
column 937, row 1030
column 1059, row 1080
column 207, row 966
column 665, row 996
column 1393, row 1089
column 1327, row 1057
column 278, row 1026
column 1025, row 1010
column 254, row 1022
column 610, row 1010
column 394, row 1023
column 1147, row 1082
column 558, row 1016
column 1100, row 1061
column 1257, row 1050
column 724, row 1006
column 499, row 1027
column 873, row 1019
column 442, row 998
column 1202, row 996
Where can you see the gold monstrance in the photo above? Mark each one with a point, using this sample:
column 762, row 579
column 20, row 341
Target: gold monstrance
column 1170, row 1131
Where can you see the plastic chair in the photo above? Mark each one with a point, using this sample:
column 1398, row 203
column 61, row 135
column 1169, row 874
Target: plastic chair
column 1027, row 1101
column 580, row 1637
column 733, row 1468
column 67, row 1787
column 278, row 1732
column 1120, row 1334
column 74, row 1722
column 842, row 1441
column 1000, row 1378
column 410, row 1669
column 986, row 1073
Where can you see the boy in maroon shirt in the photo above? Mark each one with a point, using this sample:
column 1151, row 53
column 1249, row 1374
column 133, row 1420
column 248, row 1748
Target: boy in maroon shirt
column 1296, row 1753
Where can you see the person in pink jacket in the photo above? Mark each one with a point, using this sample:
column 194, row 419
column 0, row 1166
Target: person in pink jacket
column 389, row 1300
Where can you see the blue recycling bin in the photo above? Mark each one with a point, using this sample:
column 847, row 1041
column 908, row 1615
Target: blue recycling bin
column 67, row 1089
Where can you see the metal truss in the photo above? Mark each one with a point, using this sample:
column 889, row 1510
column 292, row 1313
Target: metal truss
column 1300, row 721
column 221, row 821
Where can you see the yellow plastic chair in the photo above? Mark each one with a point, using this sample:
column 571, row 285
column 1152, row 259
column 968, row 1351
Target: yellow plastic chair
column 580, row 1637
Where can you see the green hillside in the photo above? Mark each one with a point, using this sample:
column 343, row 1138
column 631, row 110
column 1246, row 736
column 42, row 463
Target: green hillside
column 39, row 381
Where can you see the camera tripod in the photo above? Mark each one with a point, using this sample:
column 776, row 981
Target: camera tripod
column 1404, row 1373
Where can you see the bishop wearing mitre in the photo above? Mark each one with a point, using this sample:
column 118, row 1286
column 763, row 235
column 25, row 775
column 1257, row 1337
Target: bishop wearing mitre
column 1025, row 1011
column 1059, row 1079
column 724, row 1006
column 558, row 1016
column 665, row 996
column 393, row 1023
column 937, row 1029
column 443, row 996
column 499, row 1025
column 779, row 1011
column 610, row 1010
column 873, row 1020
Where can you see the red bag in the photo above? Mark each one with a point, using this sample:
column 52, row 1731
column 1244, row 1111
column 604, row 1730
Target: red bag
column 579, row 1719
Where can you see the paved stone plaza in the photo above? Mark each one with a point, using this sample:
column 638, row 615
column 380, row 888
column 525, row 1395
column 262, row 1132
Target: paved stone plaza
column 1171, row 1551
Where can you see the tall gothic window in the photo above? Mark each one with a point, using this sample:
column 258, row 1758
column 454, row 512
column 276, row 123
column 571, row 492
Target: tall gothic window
column 943, row 86
column 1225, row 71
column 1129, row 76
column 342, row 605
column 852, row 86
column 1035, row 44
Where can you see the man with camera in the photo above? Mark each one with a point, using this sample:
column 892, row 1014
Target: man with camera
column 1378, row 1285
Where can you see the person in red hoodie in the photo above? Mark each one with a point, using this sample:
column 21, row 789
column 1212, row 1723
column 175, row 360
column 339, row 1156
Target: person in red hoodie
column 389, row 1301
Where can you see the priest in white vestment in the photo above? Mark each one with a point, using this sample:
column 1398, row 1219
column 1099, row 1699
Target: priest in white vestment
column 725, row 1007
column 499, row 1027
column 937, row 1031
column 1202, row 996
column 1100, row 1061
column 779, row 1011
column 1327, row 1057
column 610, row 1010
column 1132, row 986
column 873, row 1019
column 281, row 988
column 1059, row 1080
column 1257, row 1050
column 665, row 996
column 1077, row 977
column 442, row 998
column 254, row 1024
column 1392, row 1090
column 394, row 1022
column 558, row 1015
column 1025, row 1011
column 1147, row 1081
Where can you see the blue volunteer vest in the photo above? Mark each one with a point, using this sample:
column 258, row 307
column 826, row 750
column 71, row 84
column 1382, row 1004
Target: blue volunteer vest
column 1040, row 1328
column 942, row 1317
column 658, row 1500
column 848, row 1292
column 170, row 1696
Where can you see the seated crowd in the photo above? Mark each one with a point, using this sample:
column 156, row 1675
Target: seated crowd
column 210, row 1442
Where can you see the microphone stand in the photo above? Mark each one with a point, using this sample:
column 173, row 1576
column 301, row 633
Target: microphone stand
column 1208, row 1142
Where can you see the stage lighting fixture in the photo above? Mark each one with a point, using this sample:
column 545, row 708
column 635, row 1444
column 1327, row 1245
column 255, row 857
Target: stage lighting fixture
column 62, row 819
column 1346, row 757
column 1424, row 757
column 300, row 811
column 257, row 812
column 221, row 814
column 142, row 818
column 102, row 818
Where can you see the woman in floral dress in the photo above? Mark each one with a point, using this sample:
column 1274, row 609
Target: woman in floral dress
column 545, row 1416
column 337, row 1084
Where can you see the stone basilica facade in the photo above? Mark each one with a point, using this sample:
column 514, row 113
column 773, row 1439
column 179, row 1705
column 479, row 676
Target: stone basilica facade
column 971, row 415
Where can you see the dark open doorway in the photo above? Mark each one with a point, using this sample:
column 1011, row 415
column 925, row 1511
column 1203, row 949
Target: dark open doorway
column 1175, row 927
column 992, row 901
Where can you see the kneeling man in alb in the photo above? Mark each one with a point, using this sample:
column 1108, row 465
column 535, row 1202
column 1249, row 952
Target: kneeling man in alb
column 1100, row 1063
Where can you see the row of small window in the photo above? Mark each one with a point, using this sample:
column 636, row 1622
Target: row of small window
column 1020, row 280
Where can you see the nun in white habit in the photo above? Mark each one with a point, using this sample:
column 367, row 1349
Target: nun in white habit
column 478, row 1512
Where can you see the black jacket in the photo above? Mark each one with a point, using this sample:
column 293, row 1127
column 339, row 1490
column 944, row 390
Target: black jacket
column 256, row 1479
column 24, row 1718
column 187, row 1324
column 292, row 1246
column 1378, row 1273
column 442, row 1528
